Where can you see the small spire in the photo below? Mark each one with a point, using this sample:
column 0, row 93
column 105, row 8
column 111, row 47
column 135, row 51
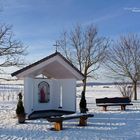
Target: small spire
column 56, row 46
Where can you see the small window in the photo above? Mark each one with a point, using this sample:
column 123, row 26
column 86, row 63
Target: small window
column 43, row 92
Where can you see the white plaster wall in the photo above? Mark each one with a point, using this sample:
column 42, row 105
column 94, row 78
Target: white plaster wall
column 28, row 94
column 68, row 94
column 55, row 93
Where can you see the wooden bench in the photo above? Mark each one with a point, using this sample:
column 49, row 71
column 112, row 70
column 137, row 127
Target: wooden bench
column 58, row 121
column 116, row 101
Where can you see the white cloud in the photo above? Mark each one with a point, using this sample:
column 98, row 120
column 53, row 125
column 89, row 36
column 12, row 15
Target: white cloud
column 132, row 9
column 104, row 18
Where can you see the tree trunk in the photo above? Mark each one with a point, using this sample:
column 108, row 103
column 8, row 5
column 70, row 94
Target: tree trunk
column 85, row 80
column 135, row 89
column 84, row 85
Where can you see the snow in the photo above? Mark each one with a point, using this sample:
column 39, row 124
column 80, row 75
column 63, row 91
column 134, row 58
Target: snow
column 111, row 125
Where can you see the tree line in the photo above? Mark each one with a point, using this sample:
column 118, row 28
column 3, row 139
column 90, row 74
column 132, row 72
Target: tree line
column 86, row 50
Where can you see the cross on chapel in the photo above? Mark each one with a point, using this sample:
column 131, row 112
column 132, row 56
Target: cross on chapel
column 56, row 46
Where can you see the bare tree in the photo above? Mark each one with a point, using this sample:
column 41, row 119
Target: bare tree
column 11, row 50
column 84, row 49
column 125, row 89
column 124, row 60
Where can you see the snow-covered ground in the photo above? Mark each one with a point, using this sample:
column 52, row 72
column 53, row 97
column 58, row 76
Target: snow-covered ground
column 111, row 125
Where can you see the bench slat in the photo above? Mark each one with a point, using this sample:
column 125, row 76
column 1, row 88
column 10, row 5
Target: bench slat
column 58, row 121
column 112, row 104
column 113, row 100
column 62, row 118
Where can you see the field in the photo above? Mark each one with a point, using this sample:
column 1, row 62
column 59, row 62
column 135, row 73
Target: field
column 111, row 125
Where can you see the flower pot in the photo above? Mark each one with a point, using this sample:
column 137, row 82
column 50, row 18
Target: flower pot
column 21, row 118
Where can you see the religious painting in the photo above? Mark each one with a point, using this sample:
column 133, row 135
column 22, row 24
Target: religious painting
column 43, row 92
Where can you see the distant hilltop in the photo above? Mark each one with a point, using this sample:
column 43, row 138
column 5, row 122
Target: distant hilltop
column 94, row 84
column 101, row 83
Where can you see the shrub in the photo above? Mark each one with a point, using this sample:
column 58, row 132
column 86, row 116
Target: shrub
column 83, row 104
column 20, row 108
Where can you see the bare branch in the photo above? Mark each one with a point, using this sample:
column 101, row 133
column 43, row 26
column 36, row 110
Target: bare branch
column 124, row 58
column 84, row 49
column 11, row 50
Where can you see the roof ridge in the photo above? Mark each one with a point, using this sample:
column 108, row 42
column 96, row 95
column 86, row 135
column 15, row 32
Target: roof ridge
column 43, row 60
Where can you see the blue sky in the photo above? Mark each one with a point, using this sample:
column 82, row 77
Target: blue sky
column 38, row 23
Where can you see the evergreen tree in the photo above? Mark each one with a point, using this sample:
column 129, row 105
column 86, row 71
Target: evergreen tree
column 83, row 103
column 20, row 107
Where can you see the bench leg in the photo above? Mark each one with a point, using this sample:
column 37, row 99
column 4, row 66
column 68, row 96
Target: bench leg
column 123, row 107
column 58, row 126
column 104, row 108
column 83, row 121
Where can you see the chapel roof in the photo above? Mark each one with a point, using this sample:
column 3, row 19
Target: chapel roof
column 53, row 66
